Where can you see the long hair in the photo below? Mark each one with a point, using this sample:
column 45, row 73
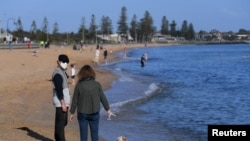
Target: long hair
column 86, row 72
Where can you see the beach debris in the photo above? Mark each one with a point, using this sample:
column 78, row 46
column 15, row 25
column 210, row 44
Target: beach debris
column 34, row 53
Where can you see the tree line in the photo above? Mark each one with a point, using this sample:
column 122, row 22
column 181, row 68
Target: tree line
column 141, row 30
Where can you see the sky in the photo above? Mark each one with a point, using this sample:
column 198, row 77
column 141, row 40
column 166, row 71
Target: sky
column 222, row 15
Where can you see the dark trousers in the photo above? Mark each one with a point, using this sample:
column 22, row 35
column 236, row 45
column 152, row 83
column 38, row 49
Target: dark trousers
column 61, row 120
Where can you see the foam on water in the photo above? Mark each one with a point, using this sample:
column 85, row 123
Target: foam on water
column 152, row 90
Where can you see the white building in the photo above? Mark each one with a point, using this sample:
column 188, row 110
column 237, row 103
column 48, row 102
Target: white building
column 6, row 37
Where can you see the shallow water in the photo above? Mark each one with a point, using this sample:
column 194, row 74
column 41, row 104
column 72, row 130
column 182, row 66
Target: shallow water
column 179, row 92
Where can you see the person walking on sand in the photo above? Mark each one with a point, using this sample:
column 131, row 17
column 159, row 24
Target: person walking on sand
column 87, row 96
column 81, row 46
column 28, row 44
column 73, row 73
column 97, row 54
column 41, row 43
column 10, row 45
column 9, row 41
column 61, row 97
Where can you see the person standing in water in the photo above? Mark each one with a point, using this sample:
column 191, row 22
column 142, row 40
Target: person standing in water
column 143, row 61
column 105, row 54
column 144, row 58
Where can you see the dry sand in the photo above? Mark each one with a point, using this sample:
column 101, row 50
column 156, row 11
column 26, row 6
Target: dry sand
column 27, row 113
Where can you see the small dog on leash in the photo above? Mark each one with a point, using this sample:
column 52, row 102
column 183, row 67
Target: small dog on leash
column 121, row 138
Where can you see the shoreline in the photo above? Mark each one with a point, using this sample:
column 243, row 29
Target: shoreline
column 27, row 111
column 113, row 58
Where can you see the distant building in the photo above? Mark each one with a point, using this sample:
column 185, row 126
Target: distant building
column 5, row 37
column 242, row 36
column 115, row 38
column 160, row 38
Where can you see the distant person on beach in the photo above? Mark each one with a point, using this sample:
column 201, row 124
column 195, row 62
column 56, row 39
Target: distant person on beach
column 125, row 52
column 10, row 45
column 47, row 44
column 87, row 98
column 9, row 41
column 73, row 73
column 97, row 46
column 105, row 54
column 61, row 97
column 146, row 56
column 28, row 44
column 97, row 55
column 143, row 60
column 110, row 51
column 41, row 43
column 81, row 46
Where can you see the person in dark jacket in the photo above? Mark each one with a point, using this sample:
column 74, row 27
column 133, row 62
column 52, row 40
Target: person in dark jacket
column 105, row 54
column 61, row 96
column 143, row 61
column 87, row 98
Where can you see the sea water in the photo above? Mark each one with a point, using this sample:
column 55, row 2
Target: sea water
column 179, row 91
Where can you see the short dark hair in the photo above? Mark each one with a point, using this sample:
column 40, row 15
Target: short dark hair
column 63, row 58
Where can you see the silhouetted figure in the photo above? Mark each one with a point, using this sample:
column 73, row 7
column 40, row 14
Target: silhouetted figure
column 143, row 59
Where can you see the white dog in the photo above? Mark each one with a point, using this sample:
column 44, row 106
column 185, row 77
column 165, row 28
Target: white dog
column 121, row 138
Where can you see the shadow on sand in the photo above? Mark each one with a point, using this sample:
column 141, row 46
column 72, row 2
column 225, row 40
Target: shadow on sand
column 34, row 134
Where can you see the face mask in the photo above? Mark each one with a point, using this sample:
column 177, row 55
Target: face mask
column 64, row 65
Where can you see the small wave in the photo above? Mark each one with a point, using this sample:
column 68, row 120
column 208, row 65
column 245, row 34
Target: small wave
column 118, row 69
column 152, row 87
column 122, row 79
column 246, row 57
column 152, row 90
column 132, row 58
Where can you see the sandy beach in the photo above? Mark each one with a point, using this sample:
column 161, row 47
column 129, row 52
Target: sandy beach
column 26, row 110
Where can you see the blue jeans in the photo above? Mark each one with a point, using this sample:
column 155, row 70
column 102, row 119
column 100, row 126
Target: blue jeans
column 10, row 45
column 93, row 121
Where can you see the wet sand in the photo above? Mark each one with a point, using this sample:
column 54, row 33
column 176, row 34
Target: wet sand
column 26, row 110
